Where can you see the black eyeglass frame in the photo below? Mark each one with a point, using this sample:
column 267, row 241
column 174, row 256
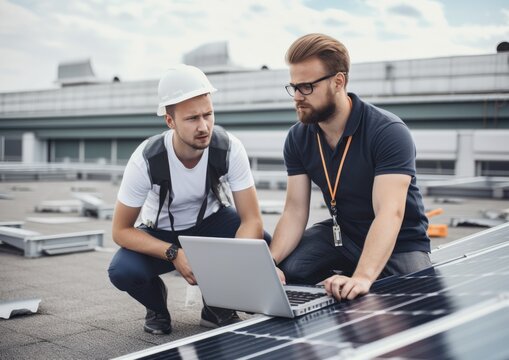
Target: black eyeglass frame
column 291, row 89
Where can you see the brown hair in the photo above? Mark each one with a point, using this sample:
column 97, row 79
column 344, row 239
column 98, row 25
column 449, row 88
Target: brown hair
column 170, row 110
column 333, row 54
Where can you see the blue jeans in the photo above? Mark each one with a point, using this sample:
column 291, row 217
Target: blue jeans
column 316, row 257
column 138, row 274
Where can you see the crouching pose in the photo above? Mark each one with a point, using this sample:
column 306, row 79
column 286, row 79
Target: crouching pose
column 179, row 182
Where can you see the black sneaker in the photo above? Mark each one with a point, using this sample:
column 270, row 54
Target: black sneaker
column 214, row 317
column 158, row 324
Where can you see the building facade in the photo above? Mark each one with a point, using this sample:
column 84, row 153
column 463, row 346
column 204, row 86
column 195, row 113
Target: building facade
column 456, row 107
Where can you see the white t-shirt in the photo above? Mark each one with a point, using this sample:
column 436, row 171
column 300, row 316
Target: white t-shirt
column 188, row 185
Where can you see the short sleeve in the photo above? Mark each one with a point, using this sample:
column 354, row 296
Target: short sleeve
column 239, row 171
column 293, row 160
column 136, row 183
column 394, row 151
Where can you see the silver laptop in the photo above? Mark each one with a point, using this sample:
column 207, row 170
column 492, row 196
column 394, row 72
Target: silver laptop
column 240, row 274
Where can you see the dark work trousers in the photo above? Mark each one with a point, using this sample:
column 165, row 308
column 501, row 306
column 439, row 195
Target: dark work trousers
column 138, row 274
column 316, row 258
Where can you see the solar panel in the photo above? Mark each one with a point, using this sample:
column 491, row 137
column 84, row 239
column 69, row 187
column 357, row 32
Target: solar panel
column 463, row 341
column 429, row 314
column 470, row 244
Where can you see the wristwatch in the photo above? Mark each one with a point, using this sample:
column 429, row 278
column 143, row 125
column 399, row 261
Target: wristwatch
column 172, row 252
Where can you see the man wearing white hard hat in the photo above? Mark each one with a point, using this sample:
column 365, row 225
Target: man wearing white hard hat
column 175, row 183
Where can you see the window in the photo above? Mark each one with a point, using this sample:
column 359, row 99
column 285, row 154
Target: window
column 125, row 147
column 435, row 167
column 98, row 151
column 271, row 165
column 12, row 149
column 66, row 150
column 493, row 168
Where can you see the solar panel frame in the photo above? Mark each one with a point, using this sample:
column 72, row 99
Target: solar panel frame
column 398, row 311
column 470, row 244
column 462, row 342
column 444, row 324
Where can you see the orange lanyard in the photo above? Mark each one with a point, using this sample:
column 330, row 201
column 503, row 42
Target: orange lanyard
column 333, row 192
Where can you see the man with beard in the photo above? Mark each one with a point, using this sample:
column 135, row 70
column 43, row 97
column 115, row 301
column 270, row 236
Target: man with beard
column 175, row 180
column 363, row 160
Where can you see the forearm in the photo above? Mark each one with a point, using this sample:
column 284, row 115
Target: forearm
column 250, row 229
column 287, row 236
column 379, row 245
column 246, row 204
column 139, row 241
column 126, row 235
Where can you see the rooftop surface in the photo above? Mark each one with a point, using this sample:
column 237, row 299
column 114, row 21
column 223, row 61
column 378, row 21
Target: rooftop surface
column 81, row 315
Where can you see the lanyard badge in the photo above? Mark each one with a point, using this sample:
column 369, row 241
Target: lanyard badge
column 336, row 230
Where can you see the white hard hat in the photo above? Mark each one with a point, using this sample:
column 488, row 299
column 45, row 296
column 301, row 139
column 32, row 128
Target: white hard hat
column 180, row 83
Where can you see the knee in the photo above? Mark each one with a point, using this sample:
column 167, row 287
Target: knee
column 297, row 271
column 117, row 278
column 126, row 278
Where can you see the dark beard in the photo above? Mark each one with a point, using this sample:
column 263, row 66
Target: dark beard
column 191, row 144
column 319, row 115
column 198, row 147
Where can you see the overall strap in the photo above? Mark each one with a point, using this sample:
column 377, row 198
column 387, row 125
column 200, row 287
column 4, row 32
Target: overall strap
column 156, row 158
column 219, row 160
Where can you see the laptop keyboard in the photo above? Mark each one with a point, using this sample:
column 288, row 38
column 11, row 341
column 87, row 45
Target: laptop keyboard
column 301, row 297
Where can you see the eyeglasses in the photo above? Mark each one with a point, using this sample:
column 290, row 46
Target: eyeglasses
column 305, row 88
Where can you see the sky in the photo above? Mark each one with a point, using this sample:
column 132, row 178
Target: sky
column 140, row 39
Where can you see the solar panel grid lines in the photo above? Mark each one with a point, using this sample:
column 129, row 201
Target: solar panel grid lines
column 365, row 328
column 225, row 346
column 463, row 341
column 486, row 250
column 436, row 309
column 302, row 348
column 346, row 334
column 153, row 352
column 297, row 350
column 313, row 331
column 339, row 317
column 441, row 293
column 410, row 286
column 471, row 244
column 236, row 346
column 410, row 336
column 497, row 230
column 481, row 263
column 372, row 328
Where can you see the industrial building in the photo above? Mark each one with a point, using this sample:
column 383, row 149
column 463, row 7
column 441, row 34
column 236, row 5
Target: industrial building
column 456, row 107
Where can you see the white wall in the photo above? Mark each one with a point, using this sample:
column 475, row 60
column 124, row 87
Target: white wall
column 463, row 146
column 33, row 150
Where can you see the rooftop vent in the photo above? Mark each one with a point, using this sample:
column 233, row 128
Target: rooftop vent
column 76, row 73
column 211, row 58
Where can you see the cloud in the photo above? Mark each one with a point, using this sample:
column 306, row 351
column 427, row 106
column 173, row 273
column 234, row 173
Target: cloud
column 405, row 10
column 139, row 39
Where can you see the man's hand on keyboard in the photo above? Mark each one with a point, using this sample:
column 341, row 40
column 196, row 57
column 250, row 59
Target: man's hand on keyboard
column 344, row 287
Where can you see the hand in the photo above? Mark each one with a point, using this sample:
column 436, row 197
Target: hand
column 344, row 287
column 182, row 266
column 281, row 275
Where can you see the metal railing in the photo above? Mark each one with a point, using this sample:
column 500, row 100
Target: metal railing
column 12, row 171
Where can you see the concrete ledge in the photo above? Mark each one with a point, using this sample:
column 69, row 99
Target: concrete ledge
column 14, row 224
column 34, row 244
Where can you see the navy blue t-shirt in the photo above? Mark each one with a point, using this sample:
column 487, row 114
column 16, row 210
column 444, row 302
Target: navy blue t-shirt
column 381, row 144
